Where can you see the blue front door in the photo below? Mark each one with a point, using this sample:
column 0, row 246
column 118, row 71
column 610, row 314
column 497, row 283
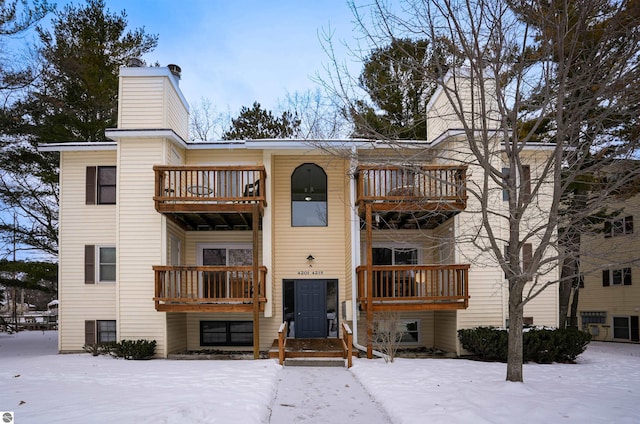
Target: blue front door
column 311, row 309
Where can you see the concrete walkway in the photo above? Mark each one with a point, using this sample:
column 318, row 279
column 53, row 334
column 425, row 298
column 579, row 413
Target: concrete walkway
column 323, row 395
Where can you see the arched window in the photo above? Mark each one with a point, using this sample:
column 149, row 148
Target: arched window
column 309, row 196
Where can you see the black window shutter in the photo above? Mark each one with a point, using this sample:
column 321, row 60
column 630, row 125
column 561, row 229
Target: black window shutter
column 607, row 229
column 89, row 332
column 605, row 278
column 635, row 333
column 505, row 176
column 626, row 276
column 628, row 225
column 89, row 264
column 90, row 196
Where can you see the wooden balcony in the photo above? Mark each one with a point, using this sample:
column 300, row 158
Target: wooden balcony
column 210, row 197
column 420, row 197
column 208, row 288
column 414, row 287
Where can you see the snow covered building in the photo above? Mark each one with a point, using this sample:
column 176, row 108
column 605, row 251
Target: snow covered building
column 201, row 244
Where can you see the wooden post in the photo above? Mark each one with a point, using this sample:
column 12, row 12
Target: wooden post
column 256, row 283
column 369, row 245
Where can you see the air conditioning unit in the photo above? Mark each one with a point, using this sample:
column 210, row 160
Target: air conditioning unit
column 594, row 330
column 347, row 310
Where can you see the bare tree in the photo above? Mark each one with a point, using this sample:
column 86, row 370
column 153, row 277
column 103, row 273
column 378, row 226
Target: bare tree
column 545, row 96
column 320, row 115
column 206, row 123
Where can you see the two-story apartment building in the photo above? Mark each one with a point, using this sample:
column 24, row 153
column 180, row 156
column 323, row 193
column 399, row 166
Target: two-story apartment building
column 201, row 244
column 609, row 298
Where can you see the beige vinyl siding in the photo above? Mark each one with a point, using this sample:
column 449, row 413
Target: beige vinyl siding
column 151, row 102
column 140, row 242
column 176, row 335
column 445, row 331
column 224, row 157
column 223, row 238
column 141, row 103
column 291, row 245
column 81, row 225
column 441, row 115
column 176, row 114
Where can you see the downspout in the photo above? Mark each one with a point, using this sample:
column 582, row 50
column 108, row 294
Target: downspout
column 355, row 258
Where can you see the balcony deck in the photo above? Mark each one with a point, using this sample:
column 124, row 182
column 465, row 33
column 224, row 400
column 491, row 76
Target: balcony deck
column 414, row 287
column 422, row 197
column 210, row 197
column 208, row 288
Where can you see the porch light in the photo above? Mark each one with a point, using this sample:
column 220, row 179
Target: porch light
column 310, row 258
column 307, row 198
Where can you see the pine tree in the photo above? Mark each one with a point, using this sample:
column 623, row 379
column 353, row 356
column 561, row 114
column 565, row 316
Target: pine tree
column 256, row 123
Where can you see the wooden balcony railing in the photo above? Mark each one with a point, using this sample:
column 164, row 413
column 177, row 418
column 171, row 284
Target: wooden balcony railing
column 415, row 287
column 425, row 184
column 208, row 185
column 208, row 288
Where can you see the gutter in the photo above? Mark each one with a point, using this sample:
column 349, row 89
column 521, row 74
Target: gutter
column 355, row 259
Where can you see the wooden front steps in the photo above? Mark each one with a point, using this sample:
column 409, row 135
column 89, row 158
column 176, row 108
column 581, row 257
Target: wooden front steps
column 311, row 352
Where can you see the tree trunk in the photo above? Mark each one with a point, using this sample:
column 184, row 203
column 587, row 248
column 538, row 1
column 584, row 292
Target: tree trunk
column 573, row 321
column 514, row 353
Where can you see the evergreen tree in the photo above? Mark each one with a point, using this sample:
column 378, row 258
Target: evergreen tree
column 256, row 123
column 397, row 80
column 74, row 98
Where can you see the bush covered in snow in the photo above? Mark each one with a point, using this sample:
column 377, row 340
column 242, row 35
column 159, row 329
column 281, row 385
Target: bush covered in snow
column 541, row 345
column 135, row 349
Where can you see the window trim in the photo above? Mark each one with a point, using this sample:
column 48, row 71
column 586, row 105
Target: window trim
column 609, row 277
column 92, row 185
column 522, row 179
column 619, row 227
column 92, row 331
column 325, row 202
column 98, row 264
column 100, row 332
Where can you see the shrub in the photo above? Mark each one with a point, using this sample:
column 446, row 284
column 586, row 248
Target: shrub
column 99, row 348
column 134, row 349
column 539, row 345
column 388, row 333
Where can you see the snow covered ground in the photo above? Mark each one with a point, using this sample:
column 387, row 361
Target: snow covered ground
column 39, row 386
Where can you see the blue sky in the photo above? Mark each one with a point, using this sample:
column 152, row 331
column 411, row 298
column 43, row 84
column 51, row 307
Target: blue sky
column 235, row 52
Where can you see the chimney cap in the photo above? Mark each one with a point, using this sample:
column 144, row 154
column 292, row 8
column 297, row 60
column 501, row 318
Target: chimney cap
column 175, row 70
column 135, row 62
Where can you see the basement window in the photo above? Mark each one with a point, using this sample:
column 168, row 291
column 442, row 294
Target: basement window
column 226, row 333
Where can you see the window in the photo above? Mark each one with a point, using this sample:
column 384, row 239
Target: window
column 309, row 196
column 101, row 185
column 527, row 259
column 618, row 227
column 409, row 329
column 99, row 264
column 391, row 283
column 106, row 331
column 592, row 318
column 524, row 181
column 226, row 333
column 616, row 277
column 99, row 331
column 222, row 284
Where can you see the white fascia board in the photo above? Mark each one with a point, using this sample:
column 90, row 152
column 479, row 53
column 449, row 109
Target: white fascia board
column 119, row 134
column 273, row 144
column 78, row 146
